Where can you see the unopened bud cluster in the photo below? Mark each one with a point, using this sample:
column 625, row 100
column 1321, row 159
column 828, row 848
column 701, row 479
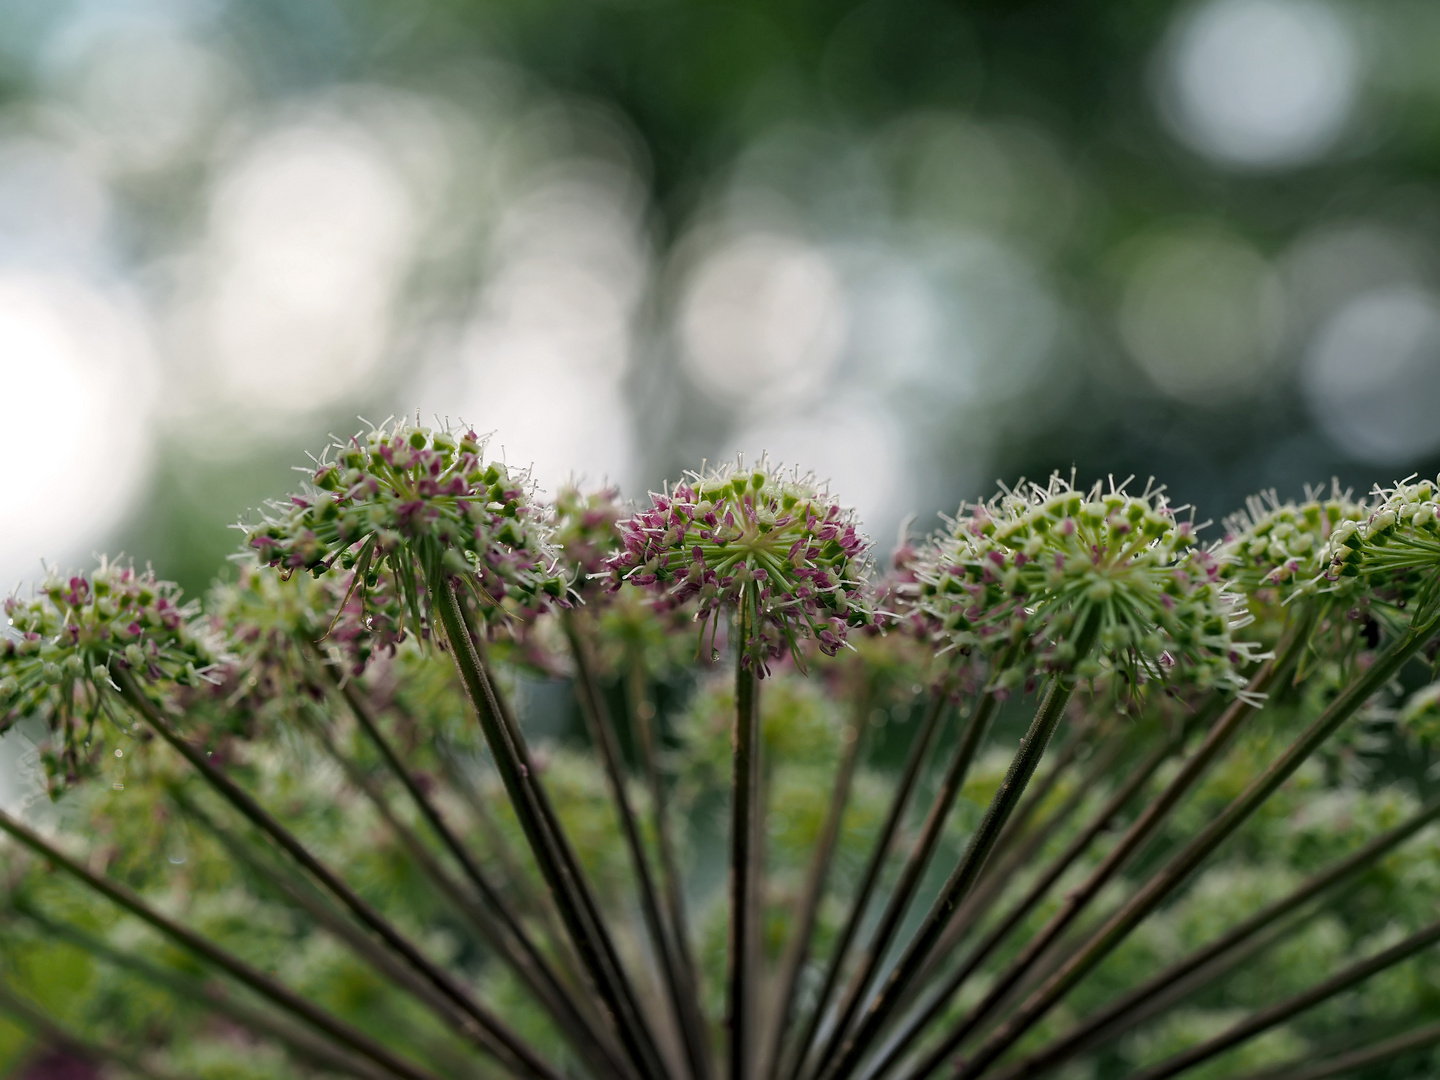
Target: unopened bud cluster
column 76, row 631
column 1020, row 575
column 1394, row 554
column 759, row 538
column 416, row 498
column 1283, row 547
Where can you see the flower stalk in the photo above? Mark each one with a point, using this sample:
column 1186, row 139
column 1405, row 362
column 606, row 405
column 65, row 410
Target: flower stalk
column 1178, row 869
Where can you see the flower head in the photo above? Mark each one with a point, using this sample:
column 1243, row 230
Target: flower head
column 417, row 499
column 77, row 631
column 586, row 532
column 1280, row 548
column 772, row 543
column 1020, row 575
column 1394, row 553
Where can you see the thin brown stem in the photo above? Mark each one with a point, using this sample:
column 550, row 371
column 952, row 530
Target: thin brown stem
column 743, row 947
column 1281, row 1011
column 383, row 962
column 577, row 1027
column 1155, row 814
column 918, row 861
column 509, row 938
column 556, row 859
column 982, row 844
column 642, row 711
column 516, row 877
column 1036, row 893
column 211, row 994
column 1420, row 1038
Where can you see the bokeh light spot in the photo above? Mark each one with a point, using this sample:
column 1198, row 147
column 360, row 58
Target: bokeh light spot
column 1372, row 375
column 542, row 359
column 310, row 231
column 763, row 321
column 1261, row 83
column 1202, row 314
column 76, row 370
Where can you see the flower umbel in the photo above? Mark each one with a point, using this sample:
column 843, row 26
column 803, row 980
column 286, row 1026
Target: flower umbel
column 1031, row 566
column 1394, row 553
column 1281, row 547
column 416, row 498
column 759, row 537
column 78, row 631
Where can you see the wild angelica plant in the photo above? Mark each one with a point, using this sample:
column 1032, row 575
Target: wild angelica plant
column 1066, row 791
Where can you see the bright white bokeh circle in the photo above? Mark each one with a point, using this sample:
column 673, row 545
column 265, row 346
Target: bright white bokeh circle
column 1372, row 375
column 1260, row 83
column 763, row 321
column 76, row 382
column 543, row 358
column 311, row 228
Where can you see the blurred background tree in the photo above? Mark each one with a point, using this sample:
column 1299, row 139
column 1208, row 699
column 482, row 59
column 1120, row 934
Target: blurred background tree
column 922, row 244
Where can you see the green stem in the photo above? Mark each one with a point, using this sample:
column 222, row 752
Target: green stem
column 1101, row 1024
column 602, row 735
column 1022, row 767
column 870, row 879
column 552, row 852
column 1115, row 929
column 973, row 734
column 257, row 815
column 743, row 947
column 1281, row 1011
column 256, row 980
column 797, row 951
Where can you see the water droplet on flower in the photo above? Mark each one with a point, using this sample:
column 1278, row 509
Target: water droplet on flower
column 177, row 860
column 714, row 654
column 119, row 752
